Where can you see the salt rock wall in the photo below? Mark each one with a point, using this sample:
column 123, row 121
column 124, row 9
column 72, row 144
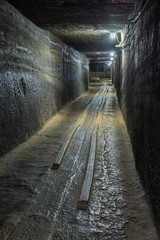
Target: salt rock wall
column 138, row 89
column 38, row 75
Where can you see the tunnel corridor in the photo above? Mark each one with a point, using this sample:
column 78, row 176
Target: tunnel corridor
column 79, row 120
column 47, row 198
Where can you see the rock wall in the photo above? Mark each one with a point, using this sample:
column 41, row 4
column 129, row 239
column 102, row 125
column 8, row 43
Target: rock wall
column 138, row 89
column 38, row 76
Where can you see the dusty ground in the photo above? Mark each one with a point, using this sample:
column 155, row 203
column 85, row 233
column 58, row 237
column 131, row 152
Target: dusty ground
column 37, row 203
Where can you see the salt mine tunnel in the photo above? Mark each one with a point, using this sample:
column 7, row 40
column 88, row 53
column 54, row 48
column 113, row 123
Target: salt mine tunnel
column 79, row 119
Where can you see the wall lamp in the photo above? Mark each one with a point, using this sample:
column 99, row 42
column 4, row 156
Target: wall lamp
column 113, row 35
column 120, row 45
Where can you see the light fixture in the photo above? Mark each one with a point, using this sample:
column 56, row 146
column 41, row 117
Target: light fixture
column 113, row 35
column 120, row 45
column 111, row 58
column 112, row 54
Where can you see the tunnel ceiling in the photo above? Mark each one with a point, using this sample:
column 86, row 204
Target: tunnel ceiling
column 83, row 24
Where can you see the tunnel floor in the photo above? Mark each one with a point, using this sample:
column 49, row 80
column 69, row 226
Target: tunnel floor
column 40, row 203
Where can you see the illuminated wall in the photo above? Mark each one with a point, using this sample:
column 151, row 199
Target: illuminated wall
column 38, row 76
column 137, row 80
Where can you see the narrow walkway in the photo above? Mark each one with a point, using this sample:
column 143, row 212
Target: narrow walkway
column 38, row 201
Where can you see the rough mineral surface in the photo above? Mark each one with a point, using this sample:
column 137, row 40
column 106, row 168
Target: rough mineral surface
column 38, row 203
column 39, row 75
column 138, row 87
column 79, row 23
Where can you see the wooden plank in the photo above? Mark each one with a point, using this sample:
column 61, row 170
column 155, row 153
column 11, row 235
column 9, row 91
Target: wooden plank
column 67, row 142
column 87, row 184
column 62, row 152
column 65, row 145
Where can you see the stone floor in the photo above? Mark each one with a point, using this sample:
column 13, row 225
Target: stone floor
column 37, row 203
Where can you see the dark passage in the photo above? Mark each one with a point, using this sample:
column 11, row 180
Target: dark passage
column 79, row 120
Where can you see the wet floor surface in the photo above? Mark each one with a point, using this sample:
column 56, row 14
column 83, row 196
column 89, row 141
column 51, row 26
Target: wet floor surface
column 37, row 203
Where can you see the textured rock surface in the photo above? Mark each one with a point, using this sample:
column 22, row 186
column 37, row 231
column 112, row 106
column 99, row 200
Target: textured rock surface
column 37, row 203
column 85, row 25
column 138, row 89
column 39, row 75
column 99, row 14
